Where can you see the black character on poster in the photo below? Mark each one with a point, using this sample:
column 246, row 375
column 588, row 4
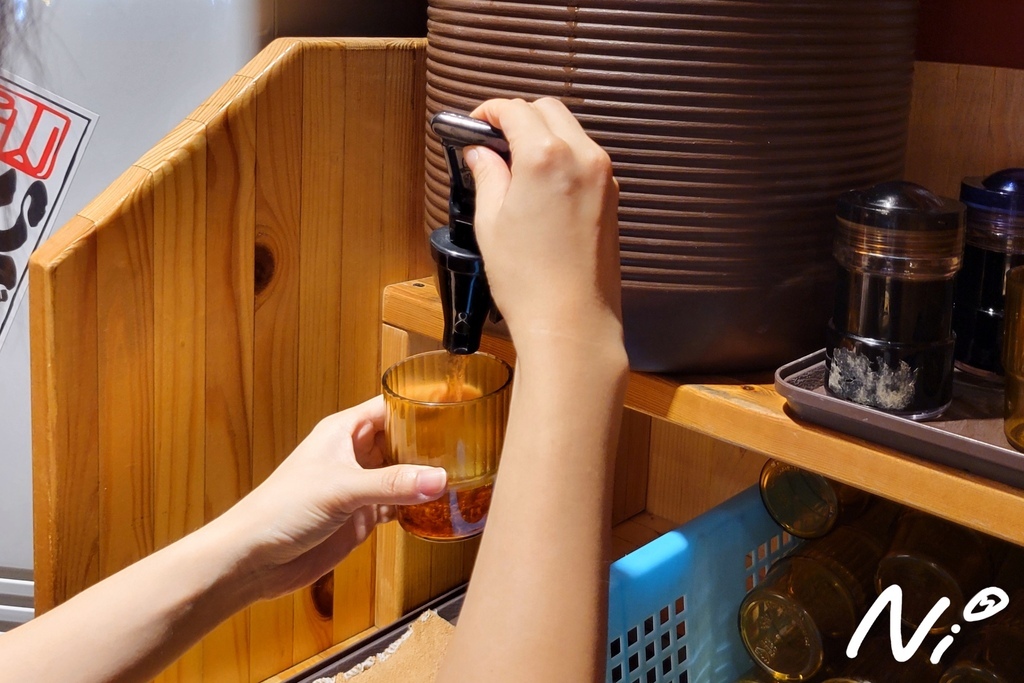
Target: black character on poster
column 33, row 209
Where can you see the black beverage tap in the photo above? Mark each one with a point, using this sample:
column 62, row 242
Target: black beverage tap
column 461, row 280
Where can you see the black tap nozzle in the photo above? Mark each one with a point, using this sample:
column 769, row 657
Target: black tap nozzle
column 461, row 280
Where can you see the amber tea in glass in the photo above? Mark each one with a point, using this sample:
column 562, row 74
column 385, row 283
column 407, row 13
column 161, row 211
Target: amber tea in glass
column 448, row 411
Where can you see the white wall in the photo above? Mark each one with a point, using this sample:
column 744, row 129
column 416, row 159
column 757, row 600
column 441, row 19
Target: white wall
column 142, row 65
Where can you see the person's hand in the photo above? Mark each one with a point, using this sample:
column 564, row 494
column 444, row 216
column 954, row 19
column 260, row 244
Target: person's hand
column 323, row 501
column 547, row 227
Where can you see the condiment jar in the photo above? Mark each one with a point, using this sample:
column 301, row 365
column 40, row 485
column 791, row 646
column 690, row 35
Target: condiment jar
column 995, row 652
column 890, row 342
column 807, row 504
column 994, row 245
column 931, row 558
column 807, row 607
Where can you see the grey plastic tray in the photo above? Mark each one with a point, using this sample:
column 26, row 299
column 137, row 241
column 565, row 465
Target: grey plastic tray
column 968, row 436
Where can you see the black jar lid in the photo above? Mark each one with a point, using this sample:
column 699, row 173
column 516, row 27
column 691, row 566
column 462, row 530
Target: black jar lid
column 900, row 205
column 1003, row 191
column 900, row 229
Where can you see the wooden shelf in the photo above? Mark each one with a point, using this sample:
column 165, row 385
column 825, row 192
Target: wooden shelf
column 748, row 412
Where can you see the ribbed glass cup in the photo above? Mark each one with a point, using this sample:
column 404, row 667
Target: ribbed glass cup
column 448, row 411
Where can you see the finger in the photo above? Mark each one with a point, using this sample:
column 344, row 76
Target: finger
column 368, row 412
column 394, row 485
column 367, row 421
column 372, row 457
column 562, row 123
column 521, row 122
column 492, row 178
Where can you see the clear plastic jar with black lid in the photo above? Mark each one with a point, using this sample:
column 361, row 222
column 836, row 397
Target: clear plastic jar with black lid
column 890, row 342
column 994, row 245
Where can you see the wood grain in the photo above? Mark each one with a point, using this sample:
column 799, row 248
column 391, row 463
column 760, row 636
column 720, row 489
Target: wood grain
column 230, row 121
column 65, row 415
column 637, row 531
column 166, row 383
column 403, row 244
column 323, row 142
column 747, row 412
column 208, row 308
column 124, row 296
column 403, row 561
column 631, row 465
column 691, row 472
column 277, row 401
column 964, row 121
column 179, row 315
column 178, row 166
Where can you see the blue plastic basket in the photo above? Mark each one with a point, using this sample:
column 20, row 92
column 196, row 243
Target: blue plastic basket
column 673, row 603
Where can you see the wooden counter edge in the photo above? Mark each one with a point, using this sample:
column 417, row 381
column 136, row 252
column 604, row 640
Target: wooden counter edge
column 752, row 415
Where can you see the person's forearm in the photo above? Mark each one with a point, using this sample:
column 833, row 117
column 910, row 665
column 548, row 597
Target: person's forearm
column 537, row 601
column 132, row 627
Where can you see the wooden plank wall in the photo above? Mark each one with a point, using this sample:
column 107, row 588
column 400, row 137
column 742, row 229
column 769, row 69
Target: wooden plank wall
column 964, row 121
column 192, row 323
column 202, row 314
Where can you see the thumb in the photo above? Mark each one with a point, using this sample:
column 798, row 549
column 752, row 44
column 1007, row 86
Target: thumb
column 395, row 485
column 492, row 177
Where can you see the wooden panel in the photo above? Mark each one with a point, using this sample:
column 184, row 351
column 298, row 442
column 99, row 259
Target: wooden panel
column 749, row 413
column 65, row 494
column 323, row 142
column 630, row 494
column 361, row 247
column 124, row 295
column 306, row 665
column 691, row 472
column 288, row 161
column 403, row 561
column 964, row 121
column 224, row 295
column 179, row 306
column 230, row 119
column 403, row 243
column 637, row 531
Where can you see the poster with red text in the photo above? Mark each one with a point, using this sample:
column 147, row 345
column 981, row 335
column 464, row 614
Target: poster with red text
column 42, row 139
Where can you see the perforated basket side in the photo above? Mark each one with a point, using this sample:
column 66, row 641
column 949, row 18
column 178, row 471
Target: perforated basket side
column 673, row 603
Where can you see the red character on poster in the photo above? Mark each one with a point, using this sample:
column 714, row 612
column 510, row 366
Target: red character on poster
column 33, row 149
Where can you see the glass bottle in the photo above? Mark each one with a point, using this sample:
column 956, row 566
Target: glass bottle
column 806, row 504
column 807, row 607
column 995, row 652
column 994, row 245
column 889, row 344
column 931, row 558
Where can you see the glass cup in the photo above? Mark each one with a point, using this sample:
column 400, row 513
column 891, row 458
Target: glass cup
column 931, row 558
column 807, row 607
column 995, row 652
column 1013, row 358
column 448, row 411
column 806, row 504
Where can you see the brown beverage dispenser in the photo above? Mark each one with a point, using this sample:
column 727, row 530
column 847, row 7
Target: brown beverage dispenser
column 732, row 128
